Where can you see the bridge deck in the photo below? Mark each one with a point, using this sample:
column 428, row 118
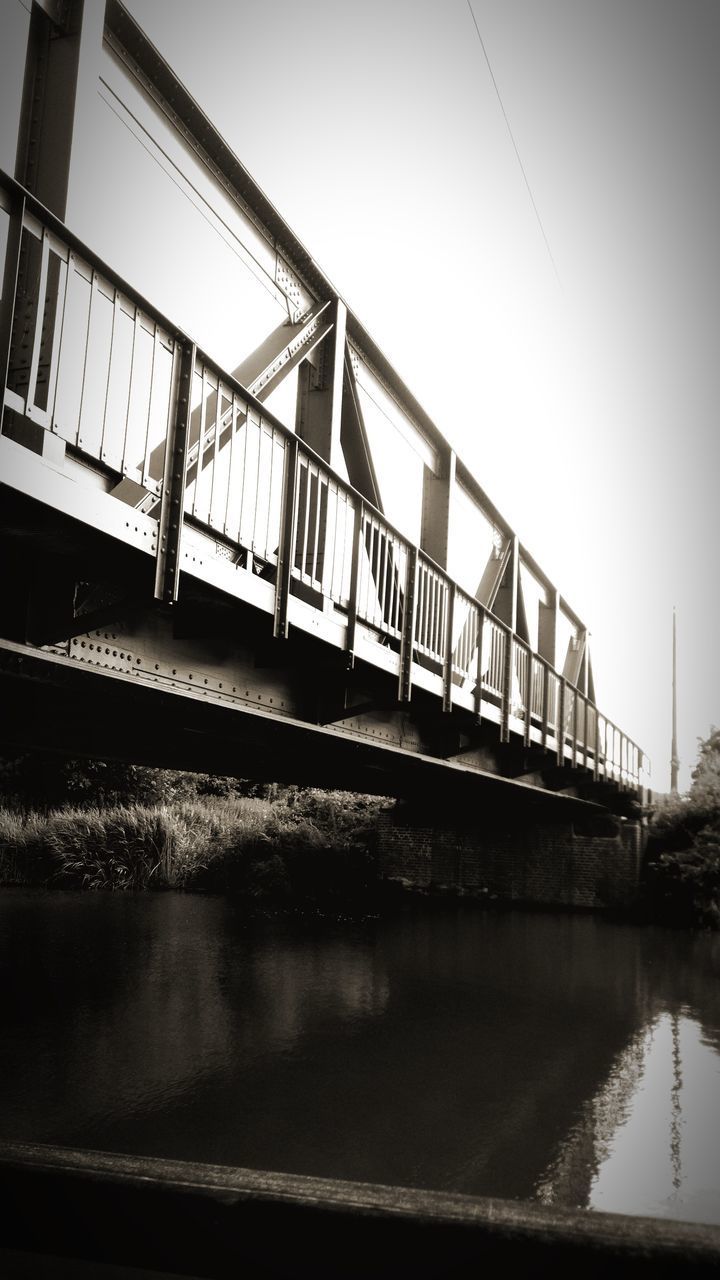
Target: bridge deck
column 114, row 420
column 142, row 481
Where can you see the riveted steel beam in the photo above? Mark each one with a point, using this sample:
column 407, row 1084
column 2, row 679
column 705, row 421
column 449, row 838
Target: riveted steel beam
column 271, row 362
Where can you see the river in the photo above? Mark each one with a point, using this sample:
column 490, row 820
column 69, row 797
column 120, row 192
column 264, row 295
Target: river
column 556, row 1058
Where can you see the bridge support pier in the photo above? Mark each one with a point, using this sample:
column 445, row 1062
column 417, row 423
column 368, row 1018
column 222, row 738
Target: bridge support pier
column 593, row 862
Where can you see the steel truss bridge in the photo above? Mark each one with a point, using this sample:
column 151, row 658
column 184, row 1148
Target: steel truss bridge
column 278, row 569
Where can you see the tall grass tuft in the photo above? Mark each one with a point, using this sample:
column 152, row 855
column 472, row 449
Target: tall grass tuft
column 303, row 848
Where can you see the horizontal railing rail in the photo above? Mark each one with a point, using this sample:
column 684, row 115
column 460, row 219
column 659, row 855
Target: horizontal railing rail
column 90, row 361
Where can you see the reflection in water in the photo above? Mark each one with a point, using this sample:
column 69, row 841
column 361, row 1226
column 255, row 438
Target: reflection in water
column 535, row 1056
column 665, row 1156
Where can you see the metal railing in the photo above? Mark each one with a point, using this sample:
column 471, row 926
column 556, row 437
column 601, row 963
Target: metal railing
column 90, row 361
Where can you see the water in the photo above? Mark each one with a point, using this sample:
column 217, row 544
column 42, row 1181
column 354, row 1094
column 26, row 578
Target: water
column 556, row 1058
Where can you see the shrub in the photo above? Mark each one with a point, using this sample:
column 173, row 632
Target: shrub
column 682, row 874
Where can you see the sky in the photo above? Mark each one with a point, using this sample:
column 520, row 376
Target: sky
column 566, row 348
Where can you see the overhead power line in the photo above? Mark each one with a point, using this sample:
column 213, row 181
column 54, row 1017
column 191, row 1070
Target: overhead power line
column 515, row 146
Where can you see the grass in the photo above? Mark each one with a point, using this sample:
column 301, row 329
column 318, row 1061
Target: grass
column 303, row 849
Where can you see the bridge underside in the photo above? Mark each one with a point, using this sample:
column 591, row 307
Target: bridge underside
column 92, row 664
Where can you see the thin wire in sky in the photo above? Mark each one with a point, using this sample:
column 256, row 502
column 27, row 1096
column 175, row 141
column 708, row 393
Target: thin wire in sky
column 512, row 139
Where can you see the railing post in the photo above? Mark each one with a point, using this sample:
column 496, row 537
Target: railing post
column 408, row 632
column 172, row 502
column 354, row 581
column 478, row 686
column 574, row 727
column 507, row 688
column 14, row 206
column 596, row 765
column 448, row 665
column 561, row 723
column 287, row 537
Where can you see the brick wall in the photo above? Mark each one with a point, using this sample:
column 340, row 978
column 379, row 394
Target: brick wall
column 594, row 863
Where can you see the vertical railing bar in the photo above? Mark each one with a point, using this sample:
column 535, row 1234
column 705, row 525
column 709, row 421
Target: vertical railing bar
column 393, row 598
column 528, row 697
column 385, row 562
column 316, row 526
column 560, row 716
column 366, row 565
column 231, row 458
column 437, row 615
column 545, row 703
column 170, row 524
column 305, row 466
column 382, row 577
column 216, row 448
column 329, row 561
column 288, row 535
column 437, row 618
column 68, row 263
column 123, row 461
column 145, row 475
column 448, row 674
column 421, row 626
column 507, row 687
column 8, row 299
column 406, row 647
column 334, row 534
column 253, row 540
column 368, row 571
column 368, row 543
column 93, row 278
column 269, row 538
column 574, row 728
column 353, row 601
column 39, row 316
column 401, row 552
column 421, row 611
column 55, row 349
column 103, row 450
column 199, row 486
column 242, row 447
column 382, row 557
column 316, row 532
column 381, row 562
column 477, row 695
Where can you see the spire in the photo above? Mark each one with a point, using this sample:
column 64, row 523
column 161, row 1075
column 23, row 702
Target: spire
column 674, row 762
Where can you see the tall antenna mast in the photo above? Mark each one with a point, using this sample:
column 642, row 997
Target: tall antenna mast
column 674, row 762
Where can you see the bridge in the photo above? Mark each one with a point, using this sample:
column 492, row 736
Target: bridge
column 279, row 569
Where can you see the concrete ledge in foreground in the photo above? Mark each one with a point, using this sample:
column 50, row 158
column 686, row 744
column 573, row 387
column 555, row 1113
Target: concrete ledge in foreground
column 69, row 1213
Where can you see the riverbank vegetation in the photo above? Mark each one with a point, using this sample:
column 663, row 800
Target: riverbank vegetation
column 682, row 876
column 128, row 827
column 103, row 825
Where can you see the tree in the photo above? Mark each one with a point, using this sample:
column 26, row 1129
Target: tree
column 705, row 789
